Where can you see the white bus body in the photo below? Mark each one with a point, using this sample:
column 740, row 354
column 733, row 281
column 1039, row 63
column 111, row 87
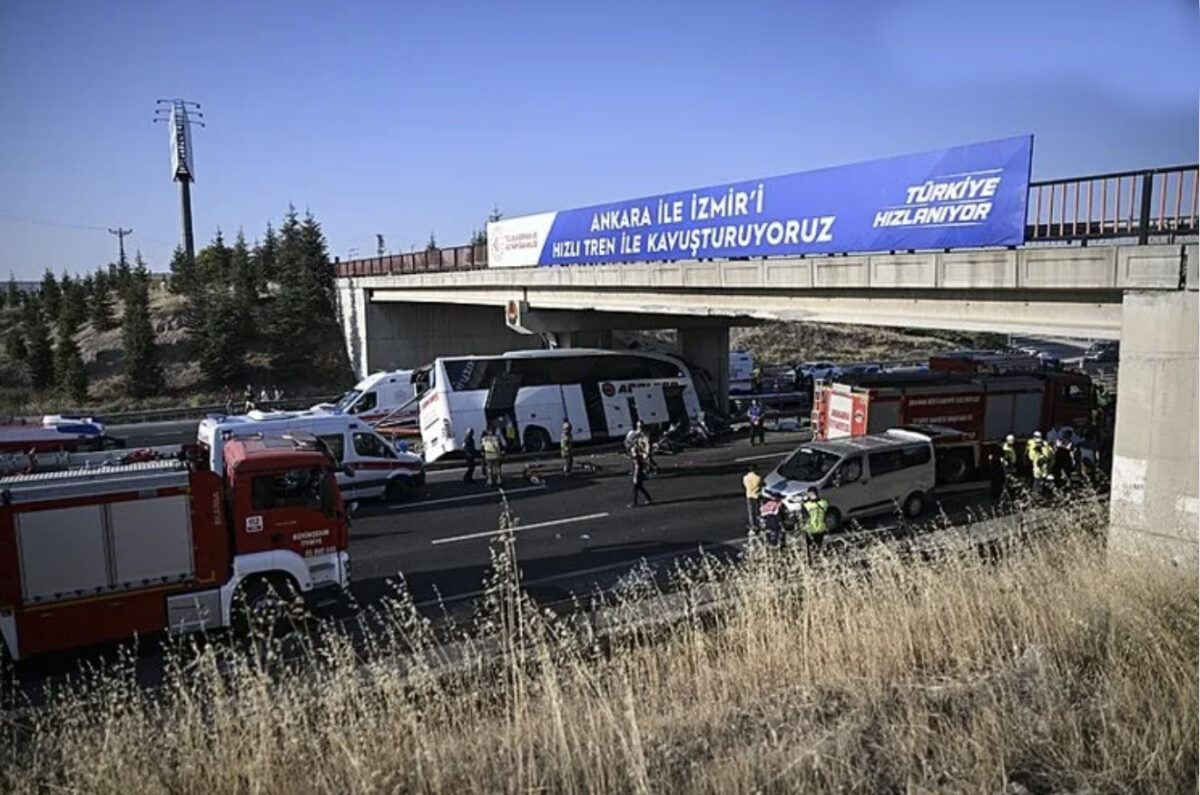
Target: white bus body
column 603, row 394
column 741, row 372
column 379, row 469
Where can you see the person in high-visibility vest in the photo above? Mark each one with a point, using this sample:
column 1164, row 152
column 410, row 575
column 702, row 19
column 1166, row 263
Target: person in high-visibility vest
column 814, row 509
column 1040, row 461
column 493, row 456
column 1031, row 444
column 1008, row 455
column 756, row 380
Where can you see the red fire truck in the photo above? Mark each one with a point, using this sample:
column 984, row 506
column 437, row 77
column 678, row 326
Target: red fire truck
column 92, row 555
column 983, row 408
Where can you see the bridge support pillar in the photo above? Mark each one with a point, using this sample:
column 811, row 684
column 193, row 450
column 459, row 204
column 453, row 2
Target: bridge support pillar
column 1155, row 463
column 391, row 335
column 707, row 351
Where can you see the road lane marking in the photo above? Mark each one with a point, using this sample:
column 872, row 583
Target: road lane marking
column 519, row 528
column 405, row 505
column 780, row 454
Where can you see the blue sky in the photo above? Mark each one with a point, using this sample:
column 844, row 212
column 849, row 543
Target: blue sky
column 404, row 118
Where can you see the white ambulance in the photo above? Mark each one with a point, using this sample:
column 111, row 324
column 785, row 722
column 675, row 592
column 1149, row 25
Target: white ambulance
column 377, row 468
column 389, row 397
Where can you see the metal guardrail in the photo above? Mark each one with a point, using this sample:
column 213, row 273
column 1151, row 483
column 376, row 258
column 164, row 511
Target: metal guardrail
column 1133, row 204
column 1156, row 202
column 198, row 412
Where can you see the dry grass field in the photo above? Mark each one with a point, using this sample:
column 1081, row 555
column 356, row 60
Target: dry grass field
column 1052, row 669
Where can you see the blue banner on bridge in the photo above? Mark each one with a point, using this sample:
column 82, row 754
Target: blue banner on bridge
column 966, row 196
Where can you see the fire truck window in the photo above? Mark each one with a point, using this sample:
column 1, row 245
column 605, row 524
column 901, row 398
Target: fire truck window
column 336, row 443
column 296, row 488
column 368, row 445
column 850, row 471
column 1074, row 393
column 367, row 402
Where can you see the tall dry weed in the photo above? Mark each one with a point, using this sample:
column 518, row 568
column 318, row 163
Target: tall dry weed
column 1052, row 667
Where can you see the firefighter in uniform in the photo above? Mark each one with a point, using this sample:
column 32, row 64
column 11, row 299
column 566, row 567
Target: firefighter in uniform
column 813, row 510
column 493, row 454
column 1039, row 460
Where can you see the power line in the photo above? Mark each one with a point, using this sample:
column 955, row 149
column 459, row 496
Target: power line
column 57, row 224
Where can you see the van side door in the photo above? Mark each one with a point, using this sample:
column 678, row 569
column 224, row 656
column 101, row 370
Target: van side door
column 849, row 481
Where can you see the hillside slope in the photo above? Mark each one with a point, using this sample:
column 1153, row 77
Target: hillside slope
column 102, row 355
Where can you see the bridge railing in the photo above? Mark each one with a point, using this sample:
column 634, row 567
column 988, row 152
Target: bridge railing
column 1130, row 204
column 1152, row 203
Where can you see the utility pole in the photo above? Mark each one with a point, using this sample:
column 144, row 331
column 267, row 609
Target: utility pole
column 179, row 116
column 120, row 233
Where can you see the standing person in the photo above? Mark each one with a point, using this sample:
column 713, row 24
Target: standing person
column 248, row 399
column 756, row 379
column 642, row 445
column 228, row 400
column 773, row 516
column 753, row 483
column 493, row 458
column 814, row 509
column 757, row 431
column 471, row 454
column 1039, row 460
column 566, row 447
column 510, row 434
column 639, row 480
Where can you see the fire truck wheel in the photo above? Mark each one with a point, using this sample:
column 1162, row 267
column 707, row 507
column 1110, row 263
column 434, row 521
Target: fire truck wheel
column 954, row 467
column 400, row 489
column 536, row 440
column 914, row 506
column 263, row 603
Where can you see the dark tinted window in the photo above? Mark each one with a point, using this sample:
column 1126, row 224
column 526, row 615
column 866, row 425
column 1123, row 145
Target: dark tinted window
column 467, row 374
column 368, row 445
column 886, row 461
column 336, row 443
column 296, row 488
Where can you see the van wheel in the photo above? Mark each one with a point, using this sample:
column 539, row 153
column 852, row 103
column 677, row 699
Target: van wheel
column 914, row 506
column 833, row 520
column 400, row 490
column 954, row 468
column 536, row 440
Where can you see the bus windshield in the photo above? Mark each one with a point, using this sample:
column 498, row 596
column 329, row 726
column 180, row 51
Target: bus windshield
column 808, row 465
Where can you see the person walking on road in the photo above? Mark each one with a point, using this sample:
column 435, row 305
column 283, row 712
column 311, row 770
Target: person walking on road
column 814, row 509
column 757, row 431
column 493, row 457
column 471, row 454
column 566, row 446
column 753, row 483
column 639, row 480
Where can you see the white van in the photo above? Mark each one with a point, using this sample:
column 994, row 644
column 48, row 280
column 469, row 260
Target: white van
column 387, row 395
column 741, row 368
column 377, row 468
column 860, row 476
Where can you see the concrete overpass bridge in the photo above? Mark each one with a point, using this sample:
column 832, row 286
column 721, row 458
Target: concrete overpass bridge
column 1129, row 274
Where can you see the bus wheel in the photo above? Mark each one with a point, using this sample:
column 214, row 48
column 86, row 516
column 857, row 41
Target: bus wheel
column 536, row 440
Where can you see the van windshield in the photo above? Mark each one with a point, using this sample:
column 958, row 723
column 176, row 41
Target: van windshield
column 347, row 399
column 808, row 464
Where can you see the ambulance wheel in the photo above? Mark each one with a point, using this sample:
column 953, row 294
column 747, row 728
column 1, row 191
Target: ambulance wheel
column 833, row 520
column 914, row 506
column 536, row 440
column 400, row 489
column 263, row 604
